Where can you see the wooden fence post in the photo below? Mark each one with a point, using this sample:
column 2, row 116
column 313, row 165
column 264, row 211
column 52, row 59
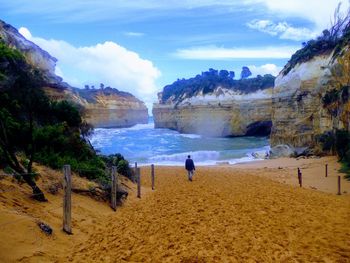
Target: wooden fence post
column 152, row 174
column 136, row 168
column 339, row 190
column 138, row 176
column 114, row 188
column 300, row 178
column 326, row 170
column 67, row 200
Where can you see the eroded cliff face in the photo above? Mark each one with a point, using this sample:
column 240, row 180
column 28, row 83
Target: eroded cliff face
column 221, row 113
column 299, row 114
column 108, row 108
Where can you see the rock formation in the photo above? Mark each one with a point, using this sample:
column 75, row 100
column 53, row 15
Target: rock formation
column 310, row 98
column 34, row 55
column 109, row 108
column 299, row 113
column 102, row 108
column 223, row 112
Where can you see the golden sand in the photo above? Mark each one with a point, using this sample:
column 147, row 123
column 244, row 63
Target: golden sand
column 227, row 214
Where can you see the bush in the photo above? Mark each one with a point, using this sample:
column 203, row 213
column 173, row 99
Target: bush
column 208, row 81
column 36, row 129
column 122, row 165
column 333, row 39
column 327, row 141
column 340, row 143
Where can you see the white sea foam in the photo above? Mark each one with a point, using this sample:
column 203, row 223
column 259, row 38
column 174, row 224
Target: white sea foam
column 191, row 136
column 169, row 162
column 180, row 157
column 163, row 141
column 203, row 158
column 140, row 127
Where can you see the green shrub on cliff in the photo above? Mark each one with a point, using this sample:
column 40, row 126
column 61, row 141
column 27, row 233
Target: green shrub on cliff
column 333, row 39
column 208, row 81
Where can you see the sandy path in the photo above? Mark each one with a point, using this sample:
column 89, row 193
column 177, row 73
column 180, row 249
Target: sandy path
column 224, row 215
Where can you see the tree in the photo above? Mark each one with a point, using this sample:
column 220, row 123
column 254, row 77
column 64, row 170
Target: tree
column 102, row 86
column 22, row 101
column 232, row 74
column 223, row 74
column 245, row 72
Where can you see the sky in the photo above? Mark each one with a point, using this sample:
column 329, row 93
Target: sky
column 140, row 46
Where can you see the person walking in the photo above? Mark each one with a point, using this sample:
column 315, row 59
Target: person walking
column 189, row 166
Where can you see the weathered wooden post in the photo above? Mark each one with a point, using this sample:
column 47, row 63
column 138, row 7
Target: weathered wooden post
column 138, row 176
column 135, row 168
column 339, row 190
column 114, row 188
column 300, row 178
column 326, row 170
column 152, row 174
column 67, row 200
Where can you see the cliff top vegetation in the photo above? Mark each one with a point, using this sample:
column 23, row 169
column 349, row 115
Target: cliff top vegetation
column 90, row 92
column 333, row 39
column 208, row 81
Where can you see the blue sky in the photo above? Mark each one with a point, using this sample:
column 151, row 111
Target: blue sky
column 139, row 46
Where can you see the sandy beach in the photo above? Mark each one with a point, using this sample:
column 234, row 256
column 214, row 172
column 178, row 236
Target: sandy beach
column 253, row 212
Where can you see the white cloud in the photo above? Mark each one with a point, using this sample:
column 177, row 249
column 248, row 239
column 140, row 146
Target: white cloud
column 317, row 11
column 134, row 34
column 107, row 63
column 218, row 53
column 282, row 29
column 265, row 69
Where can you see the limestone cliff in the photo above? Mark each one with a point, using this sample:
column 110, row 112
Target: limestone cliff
column 223, row 112
column 107, row 108
column 111, row 108
column 300, row 111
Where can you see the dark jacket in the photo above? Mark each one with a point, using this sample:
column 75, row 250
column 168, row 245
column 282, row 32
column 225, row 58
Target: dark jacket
column 189, row 165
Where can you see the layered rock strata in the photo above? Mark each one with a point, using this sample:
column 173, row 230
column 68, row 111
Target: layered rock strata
column 221, row 113
column 112, row 109
column 299, row 115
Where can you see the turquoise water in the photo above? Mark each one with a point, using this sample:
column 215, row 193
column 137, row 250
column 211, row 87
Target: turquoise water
column 144, row 144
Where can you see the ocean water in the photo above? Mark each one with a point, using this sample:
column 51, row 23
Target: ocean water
column 145, row 145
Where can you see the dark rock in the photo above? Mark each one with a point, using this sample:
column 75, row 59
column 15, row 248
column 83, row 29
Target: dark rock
column 301, row 151
column 45, row 228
